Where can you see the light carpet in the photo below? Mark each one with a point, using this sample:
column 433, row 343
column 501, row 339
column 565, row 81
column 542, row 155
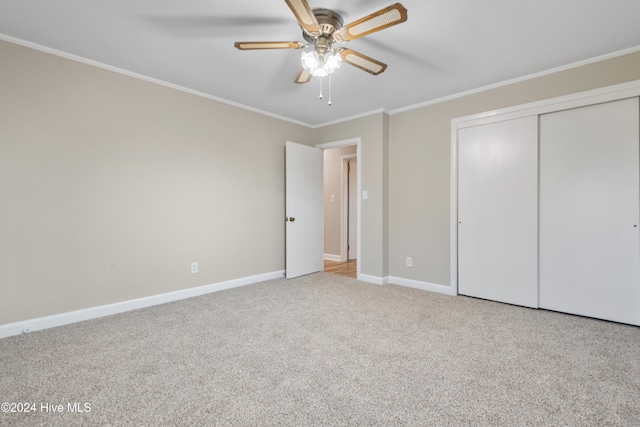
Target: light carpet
column 327, row 350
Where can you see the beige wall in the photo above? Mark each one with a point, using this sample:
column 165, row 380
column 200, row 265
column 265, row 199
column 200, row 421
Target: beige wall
column 333, row 209
column 111, row 186
column 420, row 157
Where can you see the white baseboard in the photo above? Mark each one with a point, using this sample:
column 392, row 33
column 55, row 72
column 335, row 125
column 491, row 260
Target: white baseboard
column 17, row 328
column 330, row 257
column 425, row 286
column 391, row 280
column 373, row 279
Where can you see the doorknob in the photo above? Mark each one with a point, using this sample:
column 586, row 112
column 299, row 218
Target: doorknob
column 290, row 219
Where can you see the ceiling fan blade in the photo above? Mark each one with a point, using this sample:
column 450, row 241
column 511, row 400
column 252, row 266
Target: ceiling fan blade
column 363, row 62
column 305, row 16
column 268, row 45
column 384, row 18
column 303, row 76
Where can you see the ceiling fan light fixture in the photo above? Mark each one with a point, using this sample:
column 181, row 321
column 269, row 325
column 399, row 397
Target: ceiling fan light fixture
column 332, row 62
column 320, row 67
column 320, row 72
column 321, row 28
column 310, row 60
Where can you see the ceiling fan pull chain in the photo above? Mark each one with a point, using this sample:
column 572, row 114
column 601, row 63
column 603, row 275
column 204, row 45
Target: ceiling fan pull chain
column 329, row 90
column 320, row 87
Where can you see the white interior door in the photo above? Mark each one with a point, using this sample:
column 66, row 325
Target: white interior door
column 589, row 211
column 497, row 211
column 304, row 210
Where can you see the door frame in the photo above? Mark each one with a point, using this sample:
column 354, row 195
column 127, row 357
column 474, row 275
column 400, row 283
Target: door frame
column 345, row 143
column 344, row 224
column 575, row 100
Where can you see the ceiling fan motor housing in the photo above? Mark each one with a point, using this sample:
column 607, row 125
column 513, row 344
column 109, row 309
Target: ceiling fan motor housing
column 329, row 21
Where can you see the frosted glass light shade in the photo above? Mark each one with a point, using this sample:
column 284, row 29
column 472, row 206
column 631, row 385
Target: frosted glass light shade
column 320, row 72
column 310, row 60
column 332, row 62
column 317, row 68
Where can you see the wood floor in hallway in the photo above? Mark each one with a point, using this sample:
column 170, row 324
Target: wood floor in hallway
column 348, row 268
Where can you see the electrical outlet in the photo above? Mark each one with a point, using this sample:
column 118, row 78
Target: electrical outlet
column 409, row 261
column 194, row 267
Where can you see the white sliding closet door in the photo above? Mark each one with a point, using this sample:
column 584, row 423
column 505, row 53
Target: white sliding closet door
column 497, row 211
column 589, row 211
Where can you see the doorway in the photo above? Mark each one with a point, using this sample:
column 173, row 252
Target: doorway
column 347, row 268
column 342, row 183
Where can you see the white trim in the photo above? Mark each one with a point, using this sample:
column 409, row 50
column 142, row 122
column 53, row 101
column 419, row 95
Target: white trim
column 425, row 286
column 346, row 119
column 330, row 257
column 516, row 80
column 358, row 143
column 17, row 328
column 453, row 251
column 340, row 143
column 91, row 62
column 149, row 79
column 372, row 279
column 574, row 100
column 344, row 189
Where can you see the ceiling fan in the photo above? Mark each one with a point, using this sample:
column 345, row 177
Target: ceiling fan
column 321, row 28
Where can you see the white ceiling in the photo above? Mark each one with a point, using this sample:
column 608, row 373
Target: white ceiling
column 446, row 47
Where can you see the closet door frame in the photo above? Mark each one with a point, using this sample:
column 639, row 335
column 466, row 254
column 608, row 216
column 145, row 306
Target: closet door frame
column 580, row 99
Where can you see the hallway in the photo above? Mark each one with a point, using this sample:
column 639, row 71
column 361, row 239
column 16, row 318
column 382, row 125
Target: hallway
column 348, row 268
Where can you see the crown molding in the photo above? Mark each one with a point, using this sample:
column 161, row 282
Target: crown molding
column 516, row 80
